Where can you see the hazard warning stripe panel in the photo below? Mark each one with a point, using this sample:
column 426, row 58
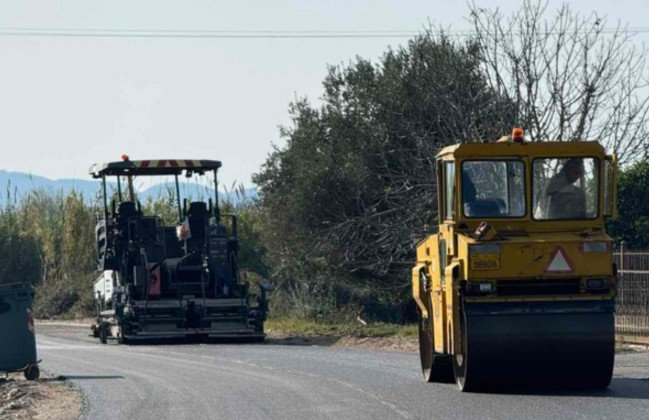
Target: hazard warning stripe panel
column 168, row 163
column 152, row 167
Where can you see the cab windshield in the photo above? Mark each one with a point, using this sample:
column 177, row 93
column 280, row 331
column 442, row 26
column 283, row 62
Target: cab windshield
column 493, row 188
column 565, row 189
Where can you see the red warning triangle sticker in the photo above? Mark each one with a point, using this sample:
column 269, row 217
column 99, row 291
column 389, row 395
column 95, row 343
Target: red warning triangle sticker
column 559, row 262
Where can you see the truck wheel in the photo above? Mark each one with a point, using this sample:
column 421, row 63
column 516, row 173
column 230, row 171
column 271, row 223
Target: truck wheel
column 434, row 366
column 464, row 380
column 425, row 349
column 32, row 372
column 121, row 339
column 103, row 335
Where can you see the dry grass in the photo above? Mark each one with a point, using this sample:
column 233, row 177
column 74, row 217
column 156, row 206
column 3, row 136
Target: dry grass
column 309, row 328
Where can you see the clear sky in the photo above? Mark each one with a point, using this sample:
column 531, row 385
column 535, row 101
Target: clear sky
column 67, row 102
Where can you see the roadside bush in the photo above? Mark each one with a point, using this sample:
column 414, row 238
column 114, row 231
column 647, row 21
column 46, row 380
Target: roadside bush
column 632, row 225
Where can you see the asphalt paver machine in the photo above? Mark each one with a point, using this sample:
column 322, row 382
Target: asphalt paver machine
column 517, row 286
column 176, row 280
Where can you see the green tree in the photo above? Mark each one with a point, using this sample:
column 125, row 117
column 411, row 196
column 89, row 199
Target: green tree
column 252, row 251
column 632, row 224
column 354, row 187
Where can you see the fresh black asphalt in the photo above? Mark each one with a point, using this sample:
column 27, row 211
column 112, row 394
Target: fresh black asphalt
column 271, row 381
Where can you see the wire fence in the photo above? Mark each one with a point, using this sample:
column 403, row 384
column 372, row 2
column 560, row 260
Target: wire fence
column 632, row 303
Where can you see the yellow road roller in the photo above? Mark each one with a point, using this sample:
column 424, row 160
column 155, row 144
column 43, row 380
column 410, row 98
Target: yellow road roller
column 517, row 286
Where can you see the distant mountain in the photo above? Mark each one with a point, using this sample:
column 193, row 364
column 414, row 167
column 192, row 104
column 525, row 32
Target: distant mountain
column 191, row 190
column 19, row 185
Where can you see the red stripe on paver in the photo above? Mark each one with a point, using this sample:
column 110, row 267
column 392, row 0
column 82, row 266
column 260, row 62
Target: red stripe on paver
column 173, row 163
column 161, row 163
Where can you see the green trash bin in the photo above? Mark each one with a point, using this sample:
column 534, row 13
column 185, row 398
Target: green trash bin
column 17, row 338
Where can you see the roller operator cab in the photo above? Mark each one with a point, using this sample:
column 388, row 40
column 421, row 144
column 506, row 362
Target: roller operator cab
column 517, row 287
column 176, row 280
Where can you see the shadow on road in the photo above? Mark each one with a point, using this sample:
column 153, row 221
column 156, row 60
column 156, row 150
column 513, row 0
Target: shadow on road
column 273, row 341
column 81, row 377
column 61, row 378
column 180, row 341
column 303, row 341
column 622, row 388
column 78, row 333
column 277, row 341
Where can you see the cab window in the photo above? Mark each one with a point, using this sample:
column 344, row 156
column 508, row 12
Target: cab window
column 449, row 189
column 566, row 189
column 493, row 188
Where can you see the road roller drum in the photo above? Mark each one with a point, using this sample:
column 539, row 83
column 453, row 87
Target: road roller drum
column 557, row 345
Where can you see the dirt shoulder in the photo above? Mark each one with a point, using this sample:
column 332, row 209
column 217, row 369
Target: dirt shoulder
column 293, row 331
column 48, row 398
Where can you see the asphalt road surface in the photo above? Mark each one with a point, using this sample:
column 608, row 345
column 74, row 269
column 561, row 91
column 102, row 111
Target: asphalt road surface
column 272, row 381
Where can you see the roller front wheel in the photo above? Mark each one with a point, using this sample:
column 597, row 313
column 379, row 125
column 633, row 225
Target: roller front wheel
column 434, row 366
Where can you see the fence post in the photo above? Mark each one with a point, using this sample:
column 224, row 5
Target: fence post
column 622, row 246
